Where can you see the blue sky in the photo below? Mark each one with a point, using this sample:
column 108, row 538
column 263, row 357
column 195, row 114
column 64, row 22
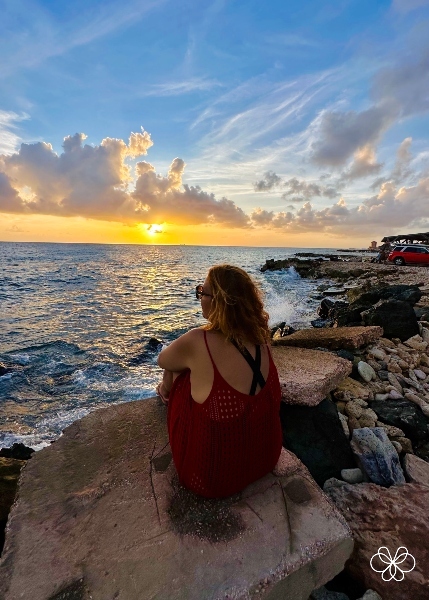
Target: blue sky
column 322, row 97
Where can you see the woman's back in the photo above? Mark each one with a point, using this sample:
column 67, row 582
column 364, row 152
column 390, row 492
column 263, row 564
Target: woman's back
column 224, row 439
column 231, row 365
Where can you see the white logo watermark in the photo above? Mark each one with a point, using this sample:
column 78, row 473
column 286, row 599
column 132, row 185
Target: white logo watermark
column 390, row 572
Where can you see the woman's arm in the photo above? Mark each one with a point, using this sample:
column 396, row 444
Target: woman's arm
column 178, row 355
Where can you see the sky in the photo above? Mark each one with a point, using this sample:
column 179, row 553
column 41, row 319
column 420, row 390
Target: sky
column 224, row 122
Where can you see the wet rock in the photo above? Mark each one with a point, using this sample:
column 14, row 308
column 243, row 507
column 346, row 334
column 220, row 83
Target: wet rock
column 316, row 436
column 397, row 318
column 390, row 517
column 3, row 369
column 10, row 469
column 18, row 451
column 405, row 415
column 376, row 456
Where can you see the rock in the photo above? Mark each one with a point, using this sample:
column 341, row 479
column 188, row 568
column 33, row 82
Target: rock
column 377, row 353
column 390, row 517
column 353, row 387
column 352, row 409
column 405, row 293
column 390, row 430
column 381, row 396
column 360, row 402
column 383, row 375
column 406, row 416
column 366, row 371
column 336, row 338
column 424, row 407
column 368, row 412
column 344, row 423
column 101, row 509
column 307, row 376
column 376, row 456
column 345, row 354
column 417, row 343
column 397, row 446
column 352, row 475
column 393, row 367
column 316, row 436
column 370, row 595
column 393, row 380
column 425, row 334
column 416, row 470
column 333, row 482
column 386, row 343
column 18, row 451
column 405, row 444
column 419, row 374
column 4, row 369
column 373, row 364
column 395, row 317
column 394, row 395
column 324, row 594
column 10, row 469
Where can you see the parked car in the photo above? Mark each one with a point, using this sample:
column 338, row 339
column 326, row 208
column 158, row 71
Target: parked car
column 409, row 255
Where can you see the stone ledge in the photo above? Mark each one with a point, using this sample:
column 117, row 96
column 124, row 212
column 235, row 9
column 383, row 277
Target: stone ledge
column 333, row 338
column 100, row 515
column 307, row 376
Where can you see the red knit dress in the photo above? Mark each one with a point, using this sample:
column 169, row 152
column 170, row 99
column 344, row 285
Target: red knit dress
column 232, row 439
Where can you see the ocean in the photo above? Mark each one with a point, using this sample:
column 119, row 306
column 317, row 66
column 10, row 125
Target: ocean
column 76, row 322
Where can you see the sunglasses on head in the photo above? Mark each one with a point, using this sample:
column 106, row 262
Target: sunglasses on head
column 199, row 292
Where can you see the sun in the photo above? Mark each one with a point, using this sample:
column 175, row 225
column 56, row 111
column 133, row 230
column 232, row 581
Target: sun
column 151, row 229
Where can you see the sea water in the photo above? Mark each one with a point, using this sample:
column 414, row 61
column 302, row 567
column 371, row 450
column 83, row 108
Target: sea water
column 76, row 322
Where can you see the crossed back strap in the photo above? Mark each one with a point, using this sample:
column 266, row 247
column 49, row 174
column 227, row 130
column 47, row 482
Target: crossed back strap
column 255, row 365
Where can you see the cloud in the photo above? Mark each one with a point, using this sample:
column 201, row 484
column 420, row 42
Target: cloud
column 96, row 182
column 269, row 181
column 364, row 164
column 296, row 191
column 9, row 139
column 341, row 134
column 178, row 88
column 392, row 208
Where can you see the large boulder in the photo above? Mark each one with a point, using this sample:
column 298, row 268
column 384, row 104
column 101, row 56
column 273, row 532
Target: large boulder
column 405, row 293
column 332, row 338
column 391, row 517
column 315, row 434
column 377, row 456
column 100, row 515
column 307, row 376
column 405, row 415
column 396, row 317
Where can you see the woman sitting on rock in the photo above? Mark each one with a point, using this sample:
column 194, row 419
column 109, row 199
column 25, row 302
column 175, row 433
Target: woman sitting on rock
column 223, row 390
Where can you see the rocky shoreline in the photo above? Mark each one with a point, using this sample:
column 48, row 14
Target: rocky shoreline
column 358, row 419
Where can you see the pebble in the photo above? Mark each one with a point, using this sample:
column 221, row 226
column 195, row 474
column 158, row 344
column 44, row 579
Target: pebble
column 352, row 475
column 419, row 374
column 374, row 364
column 381, row 396
column 352, row 409
column 394, row 395
column 397, row 446
column 393, row 367
column 394, row 381
column 377, row 353
column 425, row 334
column 366, row 371
column 384, row 375
column 333, row 482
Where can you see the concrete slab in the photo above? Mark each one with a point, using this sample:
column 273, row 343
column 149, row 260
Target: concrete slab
column 100, row 515
column 333, row 338
column 307, row 376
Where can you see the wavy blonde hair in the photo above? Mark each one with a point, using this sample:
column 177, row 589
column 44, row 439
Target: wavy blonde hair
column 236, row 308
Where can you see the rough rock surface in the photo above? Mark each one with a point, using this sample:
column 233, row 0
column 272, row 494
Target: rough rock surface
column 10, row 469
column 403, row 414
column 416, row 469
column 391, row 517
column 332, row 338
column 397, row 318
column 307, row 376
column 315, row 434
column 100, row 515
column 377, row 456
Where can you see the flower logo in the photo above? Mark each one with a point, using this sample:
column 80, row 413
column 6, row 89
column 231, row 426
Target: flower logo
column 391, row 571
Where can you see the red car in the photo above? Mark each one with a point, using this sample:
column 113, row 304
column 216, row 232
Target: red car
column 409, row 255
